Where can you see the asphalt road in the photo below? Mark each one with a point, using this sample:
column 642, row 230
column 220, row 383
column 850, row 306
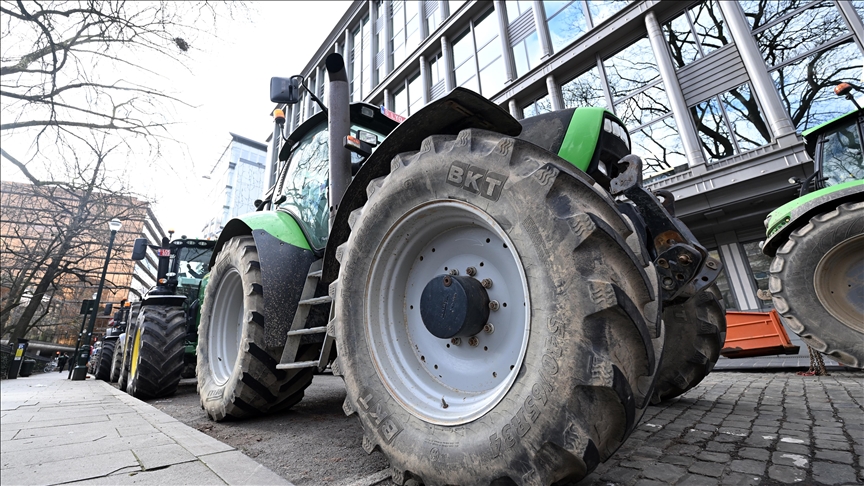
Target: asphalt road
column 768, row 429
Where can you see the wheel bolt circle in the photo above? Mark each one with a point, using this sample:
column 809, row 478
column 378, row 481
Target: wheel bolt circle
column 489, row 328
column 471, row 271
column 473, row 341
column 493, row 305
column 456, row 341
column 487, row 283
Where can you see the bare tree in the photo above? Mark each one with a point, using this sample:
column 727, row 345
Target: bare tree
column 82, row 91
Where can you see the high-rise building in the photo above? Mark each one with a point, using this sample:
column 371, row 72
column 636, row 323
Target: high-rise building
column 237, row 178
column 714, row 93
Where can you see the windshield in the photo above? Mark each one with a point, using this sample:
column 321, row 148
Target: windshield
column 194, row 262
column 305, row 183
column 842, row 158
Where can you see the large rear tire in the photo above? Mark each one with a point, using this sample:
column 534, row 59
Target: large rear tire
column 557, row 384
column 106, row 357
column 237, row 375
column 695, row 333
column 157, row 349
column 817, row 283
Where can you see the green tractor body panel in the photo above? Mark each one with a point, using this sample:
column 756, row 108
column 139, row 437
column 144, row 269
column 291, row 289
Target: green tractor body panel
column 778, row 218
column 583, row 133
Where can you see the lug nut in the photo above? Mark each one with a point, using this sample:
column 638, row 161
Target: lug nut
column 454, row 272
column 486, row 283
column 493, row 305
column 489, row 328
column 456, row 341
column 447, row 281
column 473, row 341
column 471, row 271
column 684, row 259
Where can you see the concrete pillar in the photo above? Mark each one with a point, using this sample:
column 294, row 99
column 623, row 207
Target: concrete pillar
column 853, row 20
column 542, row 28
column 779, row 121
column 421, row 17
column 447, row 57
column 444, row 7
column 388, row 101
column 369, row 51
column 424, row 79
column 388, row 34
column 689, row 138
column 504, row 37
column 515, row 112
column 554, row 93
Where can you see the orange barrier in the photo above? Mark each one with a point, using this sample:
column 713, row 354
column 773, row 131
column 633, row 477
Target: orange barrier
column 750, row 334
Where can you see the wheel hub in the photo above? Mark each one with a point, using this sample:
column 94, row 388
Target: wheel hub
column 453, row 306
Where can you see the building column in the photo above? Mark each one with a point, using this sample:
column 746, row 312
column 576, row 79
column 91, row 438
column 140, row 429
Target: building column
column 554, row 93
column 542, row 28
column 689, row 138
column 370, row 49
column 421, row 17
column 388, row 35
column 322, row 84
column 504, row 37
column 447, row 57
column 779, row 121
column 388, row 102
column 852, row 19
column 515, row 112
column 444, row 7
column 424, row 79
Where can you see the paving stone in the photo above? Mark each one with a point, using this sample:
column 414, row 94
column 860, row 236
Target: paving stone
column 752, row 453
column 787, row 474
column 685, row 461
column 714, row 457
column 650, row 482
column 706, row 468
column 793, row 448
column 790, row 459
column 718, row 447
column 834, row 456
column 739, row 479
column 664, row 472
column 697, row 480
column 748, row 466
column 832, row 444
column 828, row 473
column 683, row 449
column 620, row 475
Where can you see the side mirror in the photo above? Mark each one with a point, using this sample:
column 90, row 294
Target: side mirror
column 140, row 249
column 285, row 90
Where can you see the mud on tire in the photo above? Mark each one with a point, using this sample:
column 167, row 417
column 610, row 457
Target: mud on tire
column 157, row 348
column 832, row 246
column 237, row 375
column 695, row 333
column 582, row 327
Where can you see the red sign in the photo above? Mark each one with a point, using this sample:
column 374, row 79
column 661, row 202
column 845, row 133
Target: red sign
column 165, row 252
column 393, row 116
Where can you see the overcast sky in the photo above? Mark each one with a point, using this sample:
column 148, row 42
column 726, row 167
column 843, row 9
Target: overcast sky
column 227, row 85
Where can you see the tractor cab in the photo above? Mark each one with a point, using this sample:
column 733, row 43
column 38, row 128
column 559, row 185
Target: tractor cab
column 836, row 149
column 182, row 264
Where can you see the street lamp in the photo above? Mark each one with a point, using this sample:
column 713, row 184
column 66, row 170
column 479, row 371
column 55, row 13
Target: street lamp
column 80, row 371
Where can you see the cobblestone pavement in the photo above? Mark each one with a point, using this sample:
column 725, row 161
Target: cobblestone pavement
column 748, row 429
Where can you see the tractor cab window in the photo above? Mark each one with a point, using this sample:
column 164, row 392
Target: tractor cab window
column 306, row 181
column 194, row 262
column 842, row 157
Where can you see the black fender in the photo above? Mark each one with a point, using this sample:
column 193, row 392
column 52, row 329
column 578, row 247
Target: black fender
column 459, row 110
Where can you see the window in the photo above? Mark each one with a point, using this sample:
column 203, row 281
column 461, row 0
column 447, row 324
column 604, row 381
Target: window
column 380, row 42
column 808, row 49
column 433, row 18
column 516, row 8
column 585, row 90
column 722, row 283
column 537, row 107
column 361, row 78
column 730, row 123
column 477, row 58
column 640, row 101
column 409, row 97
column 405, row 18
column 528, row 51
column 566, row 20
column 696, row 33
column 436, row 70
column 601, row 10
column 842, row 159
column 759, row 267
column 400, row 101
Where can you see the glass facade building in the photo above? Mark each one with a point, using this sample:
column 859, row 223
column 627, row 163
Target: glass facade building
column 714, row 93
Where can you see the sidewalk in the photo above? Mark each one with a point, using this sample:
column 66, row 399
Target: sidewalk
column 87, row 432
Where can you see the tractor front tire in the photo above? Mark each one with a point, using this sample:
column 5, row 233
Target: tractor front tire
column 157, row 349
column 106, row 357
column 817, row 283
column 695, row 333
column 563, row 369
column 237, row 375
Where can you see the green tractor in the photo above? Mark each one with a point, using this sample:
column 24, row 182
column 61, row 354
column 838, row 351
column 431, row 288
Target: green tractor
column 159, row 343
column 817, row 242
column 496, row 294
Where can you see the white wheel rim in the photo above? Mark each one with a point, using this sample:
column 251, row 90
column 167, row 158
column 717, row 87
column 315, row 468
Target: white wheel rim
column 226, row 326
column 838, row 282
column 432, row 378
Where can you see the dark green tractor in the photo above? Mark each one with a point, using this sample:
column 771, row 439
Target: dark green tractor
column 493, row 292
column 159, row 343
